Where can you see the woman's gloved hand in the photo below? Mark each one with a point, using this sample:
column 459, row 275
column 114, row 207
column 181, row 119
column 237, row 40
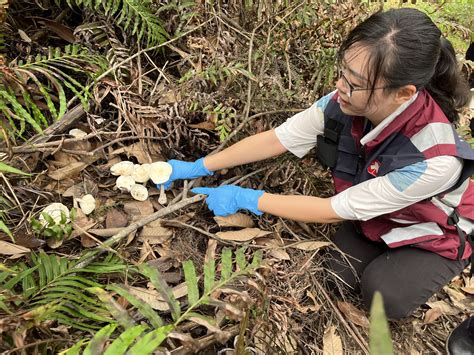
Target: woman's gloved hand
column 228, row 199
column 186, row 170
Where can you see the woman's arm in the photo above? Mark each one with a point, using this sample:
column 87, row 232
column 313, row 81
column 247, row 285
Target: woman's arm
column 254, row 148
column 299, row 208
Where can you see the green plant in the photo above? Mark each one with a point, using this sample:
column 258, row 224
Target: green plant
column 54, row 229
column 140, row 339
column 33, row 92
column 380, row 341
column 49, row 287
column 222, row 117
column 215, row 73
column 135, row 16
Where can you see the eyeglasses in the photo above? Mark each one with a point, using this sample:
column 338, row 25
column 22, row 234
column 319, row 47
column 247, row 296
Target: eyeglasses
column 350, row 88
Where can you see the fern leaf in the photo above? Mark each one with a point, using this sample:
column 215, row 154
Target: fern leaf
column 18, row 278
column 19, row 111
column 209, row 274
column 226, row 264
column 151, row 341
column 97, row 344
column 191, row 282
column 256, row 260
column 240, row 258
column 121, row 344
column 144, row 308
column 163, row 288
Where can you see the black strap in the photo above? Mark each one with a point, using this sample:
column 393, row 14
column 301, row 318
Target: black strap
column 453, row 220
column 327, row 144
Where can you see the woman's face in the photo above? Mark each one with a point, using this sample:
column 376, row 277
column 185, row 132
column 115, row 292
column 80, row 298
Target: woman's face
column 353, row 87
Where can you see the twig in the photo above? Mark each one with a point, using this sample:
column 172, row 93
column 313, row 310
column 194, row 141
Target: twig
column 353, row 331
column 250, row 118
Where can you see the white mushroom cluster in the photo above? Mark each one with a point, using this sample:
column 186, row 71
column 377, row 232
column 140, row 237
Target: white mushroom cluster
column 133, row 177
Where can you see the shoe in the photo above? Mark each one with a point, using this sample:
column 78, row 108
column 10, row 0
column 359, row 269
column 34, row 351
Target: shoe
column 461, row 339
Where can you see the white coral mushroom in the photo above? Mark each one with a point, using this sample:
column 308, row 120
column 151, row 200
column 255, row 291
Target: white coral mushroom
column 54, row 210
column 141, row 173
column 160, row 172
column 123, row 168
column 125, row 183
column 139, row 192
column 87, row 204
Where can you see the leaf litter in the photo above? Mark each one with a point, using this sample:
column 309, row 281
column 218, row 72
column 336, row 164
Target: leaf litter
column 172, row 113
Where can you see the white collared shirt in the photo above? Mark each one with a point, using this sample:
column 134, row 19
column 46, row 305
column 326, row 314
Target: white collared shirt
column 381, row 195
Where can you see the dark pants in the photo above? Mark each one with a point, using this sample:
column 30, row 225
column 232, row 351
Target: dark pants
column 405, row 276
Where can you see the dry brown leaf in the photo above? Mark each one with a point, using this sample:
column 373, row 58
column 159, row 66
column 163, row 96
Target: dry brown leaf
column 243, row 235
column 235, row 220
column 138, row 151
column 210, row 126
column 87, row 242
column 137, row 209
column 459, row 299
column 444, row 307
column 332, row 344
column 431, row 315
column 153, row 297
column 68, row 171
column 354, row 314
column 116, row 219
column 155, row 234
column 7, row 248
column 311, row 245
column 279, row 254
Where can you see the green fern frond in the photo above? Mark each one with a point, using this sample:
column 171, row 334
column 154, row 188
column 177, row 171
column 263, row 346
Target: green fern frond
column 52, row 288
column 133, row 341
column 33, row 92
column 146, row 343
column 134, row 16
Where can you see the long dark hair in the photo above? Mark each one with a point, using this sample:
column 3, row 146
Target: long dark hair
column 406, row 47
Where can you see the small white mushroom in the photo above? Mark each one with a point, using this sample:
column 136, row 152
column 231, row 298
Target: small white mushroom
column 141, row 173
column 125, row 183
column 139, row 192
column 160, row 173
column 87, row 203
column 77, row 133
column 54, row 210
column 123, row 168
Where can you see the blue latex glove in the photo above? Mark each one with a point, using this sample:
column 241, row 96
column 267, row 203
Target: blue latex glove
column 186, row 170
column 228, row 199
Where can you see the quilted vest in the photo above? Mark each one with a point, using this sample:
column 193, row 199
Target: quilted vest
column 440, row 224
